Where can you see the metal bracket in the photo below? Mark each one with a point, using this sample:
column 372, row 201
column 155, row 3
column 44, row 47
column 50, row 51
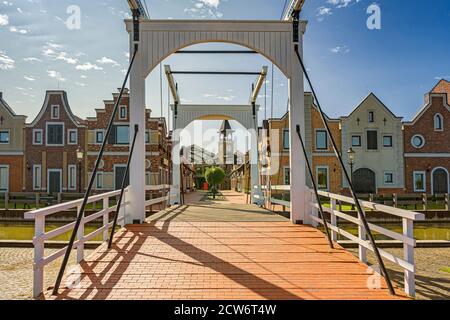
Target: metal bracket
column 136, row 15
column 295, row 26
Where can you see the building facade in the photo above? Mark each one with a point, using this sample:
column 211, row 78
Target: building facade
column 51, row 144
column 114, row 162
column 427, row 144
column 375, row 135
column 12, row 147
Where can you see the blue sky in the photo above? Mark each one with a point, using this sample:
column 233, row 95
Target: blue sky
column 399, row 63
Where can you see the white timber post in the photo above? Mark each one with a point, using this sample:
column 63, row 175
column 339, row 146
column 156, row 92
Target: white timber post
column 135, row 212
column 175, row 197
column 314, row 210
column 362, row 236
column 106, row 218
column 408, row 254
column 297, row 117
column 80, row 236
column 333, row 218
column 38, row 268
column 255, row 186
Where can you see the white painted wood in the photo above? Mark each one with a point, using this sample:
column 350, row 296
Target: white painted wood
column 80, row 236
column 280, row 202
column 333, row 218
column 408, row 255
column 362, row 234
column 105, row 218
column 38, row 269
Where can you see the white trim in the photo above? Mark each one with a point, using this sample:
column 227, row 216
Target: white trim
column 328, row 177
column 9, row 137
column 76, row 136
column 37, row 187
column 386, row 136
column 51, row 112
column 432, row 178
column 424, row 173
column 95, row 136
column 360, row 140
column 60, row 178
column 69, row 177
column 11, row 153
column 326, row 140
column 427, row 155
column 148, row 164
column 120, row 112
column 7, row 177
column 42, row 137
column 428, row 105
column 63, row 134
column 423, row 141
column 282, row 140
column 442, row 122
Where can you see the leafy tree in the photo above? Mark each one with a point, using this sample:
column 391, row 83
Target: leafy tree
column 214, row 176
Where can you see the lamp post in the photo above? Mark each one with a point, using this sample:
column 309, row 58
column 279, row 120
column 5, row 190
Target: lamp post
column 351, row 161
column 80, row 156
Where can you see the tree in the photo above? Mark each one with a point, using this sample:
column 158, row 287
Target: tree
column 214, row 176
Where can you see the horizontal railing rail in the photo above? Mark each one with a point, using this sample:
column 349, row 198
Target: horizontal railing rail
column 109, row 206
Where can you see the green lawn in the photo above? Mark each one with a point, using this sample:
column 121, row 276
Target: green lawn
column 446, row 269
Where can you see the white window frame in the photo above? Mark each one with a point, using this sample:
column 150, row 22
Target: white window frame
column 7, row 176
column 328, row 177
column 72, row 178
column 360, row 140
column 371, row 113
column 9, row 137
column 423, row 141
column 35, row 143
column 99, row 178
column 63, row 134
column 57, row 113
column 387, row 136
column 37, row 186
column 95, row 138
column 69, row 132
column 120, row 112
column 384, row 178
column 326, row 139
column 288, row 140
column 424, row 181
column 442, row 122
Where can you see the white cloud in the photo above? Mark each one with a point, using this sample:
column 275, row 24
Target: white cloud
column 53, row 51
column 205, row 9
column 6, row 62
column 32, row 59
column 4, row 20
column 210, row 3
column 16, row 30
column 340, row 49
column 342, row 3
column 80, row 84
column 106, row 60
column 56, row 75
column 323, row 11
column 88, row 66
column 29, row 78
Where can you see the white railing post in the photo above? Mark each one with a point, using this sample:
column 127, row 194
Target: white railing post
column 447, row 202
column 38, row 200
column 80, row 236
column 425, row 202
column 314, row 210
column 408, row 252
column 362, row 236
column 333, row 219
column 38, row 268
column 105, row 218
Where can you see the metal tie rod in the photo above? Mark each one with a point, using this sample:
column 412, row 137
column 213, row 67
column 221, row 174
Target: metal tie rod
column 91, row 182
column 361, row 215
column 325, row 223
column 217, row 52
column 243, row 73
column 122, row 191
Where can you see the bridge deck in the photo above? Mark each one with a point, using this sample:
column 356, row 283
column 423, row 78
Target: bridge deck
column 220, row 251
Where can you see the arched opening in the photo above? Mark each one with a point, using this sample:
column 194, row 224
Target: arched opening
column 438, row 122
column 364, row 181
column 440, row 181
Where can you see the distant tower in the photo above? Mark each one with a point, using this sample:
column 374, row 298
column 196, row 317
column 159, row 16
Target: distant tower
column 227, row 147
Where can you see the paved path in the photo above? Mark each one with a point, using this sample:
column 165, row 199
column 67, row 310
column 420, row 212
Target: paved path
column 221, row 251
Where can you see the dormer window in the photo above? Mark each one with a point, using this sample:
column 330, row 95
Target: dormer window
column 371, row 117
column 123, row 113
column 438, row 122
column 55, row 112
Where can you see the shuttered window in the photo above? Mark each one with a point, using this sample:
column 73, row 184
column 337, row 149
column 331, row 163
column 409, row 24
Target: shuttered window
column 372, row 140
column 55, row 134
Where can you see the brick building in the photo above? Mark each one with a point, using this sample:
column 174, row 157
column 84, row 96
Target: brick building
column 51, row 144
column 11, row 149
column 113, row 165
column 427, row 144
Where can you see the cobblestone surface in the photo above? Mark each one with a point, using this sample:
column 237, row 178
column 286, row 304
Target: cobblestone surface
column 16, row 272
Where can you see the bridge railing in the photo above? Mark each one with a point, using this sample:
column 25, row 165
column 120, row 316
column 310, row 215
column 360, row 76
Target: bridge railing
column 406, row 237
column 41, row 235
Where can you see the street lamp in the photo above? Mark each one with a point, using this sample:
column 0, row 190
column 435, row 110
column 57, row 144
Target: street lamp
column 80, row 156
column 351, row 160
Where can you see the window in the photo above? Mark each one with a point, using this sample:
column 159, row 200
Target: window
column 388, row 178
column 73, row 136
column 419, row 181
column 154, row 137
column 4, row 137
column 99, row 136
column 123, row 112
column 37, row 136
column 120, row 135
column 55, row 112
column 438, row 122
column 37, row 177
column 287, row 176
column 321, row 140
column 387, row 141
column 286, row 139
column 99, row 180
column 147, row 137
column 72, row 177
column 372, row 140
column 55, row 134
column 371, row 117
column 356, row 141
column 418, row 141
column 322, row 178
column 148, row 164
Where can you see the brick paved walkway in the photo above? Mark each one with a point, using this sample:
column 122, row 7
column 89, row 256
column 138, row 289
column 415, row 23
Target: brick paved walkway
column 206, row 251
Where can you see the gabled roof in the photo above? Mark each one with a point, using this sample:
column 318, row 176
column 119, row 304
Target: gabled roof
column 443, row 86
column 372, row 95
column 76, row 120
column 8, row 108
